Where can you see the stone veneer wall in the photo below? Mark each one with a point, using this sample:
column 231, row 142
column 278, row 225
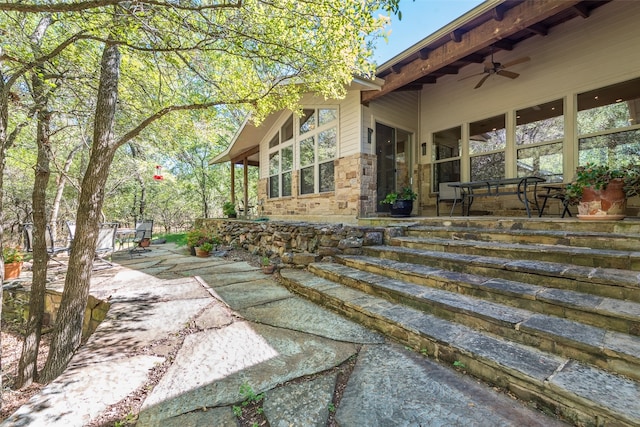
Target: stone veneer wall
column 15, row 308
column 354, row 192
column 297, row 243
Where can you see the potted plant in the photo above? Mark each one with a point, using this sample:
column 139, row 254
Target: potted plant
column 195, row 237
column 204, row 249
column 267, row 266
column 13, row 258
column 229, row 210
column 400, row 203
column 601, row 191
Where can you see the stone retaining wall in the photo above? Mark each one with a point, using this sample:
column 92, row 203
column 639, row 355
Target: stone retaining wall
column 298, row 243
column 15, row 308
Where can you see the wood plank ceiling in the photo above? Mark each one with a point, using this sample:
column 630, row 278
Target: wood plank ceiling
column 500, row 28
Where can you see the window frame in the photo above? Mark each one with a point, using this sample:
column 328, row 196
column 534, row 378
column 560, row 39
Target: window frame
column 317, row 165
column 279, row 147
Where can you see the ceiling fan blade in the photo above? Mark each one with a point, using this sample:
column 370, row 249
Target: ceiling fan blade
column 472, row 75
column 505, row 73
column 482, row 80
column 515, row 62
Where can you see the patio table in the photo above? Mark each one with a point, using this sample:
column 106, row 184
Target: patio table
column 496, row 187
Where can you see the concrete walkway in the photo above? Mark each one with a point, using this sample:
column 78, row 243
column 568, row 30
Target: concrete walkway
column 213, row 326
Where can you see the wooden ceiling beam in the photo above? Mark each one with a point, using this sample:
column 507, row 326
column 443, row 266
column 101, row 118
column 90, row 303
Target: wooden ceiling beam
column 456, row 35
column 582, row 10
column 539, row 29
column 498, row 12
column 516, row 19
column 424, row 53
column 504, row 44
column 396, row 68
column 448, row 70
column 475, row 58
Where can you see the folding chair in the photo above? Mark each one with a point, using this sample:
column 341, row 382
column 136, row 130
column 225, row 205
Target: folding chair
column 71, row 228
column 142, row 239
column 52, row 249
column 106, row 244
column 449, row 194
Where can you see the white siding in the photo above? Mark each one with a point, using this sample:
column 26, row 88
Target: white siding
column 397, row 109
column 350, row 129
column 574, row 57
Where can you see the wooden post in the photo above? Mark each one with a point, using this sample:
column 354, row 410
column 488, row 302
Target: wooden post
column 245, row 165
column 233, row 183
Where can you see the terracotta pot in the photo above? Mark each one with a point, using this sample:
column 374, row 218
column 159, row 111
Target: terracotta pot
column 12, row 271
column 202, row 254
column 610, row 203
column 268, row 269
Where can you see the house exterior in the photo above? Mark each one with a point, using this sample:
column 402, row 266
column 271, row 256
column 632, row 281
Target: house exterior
column 510, row 89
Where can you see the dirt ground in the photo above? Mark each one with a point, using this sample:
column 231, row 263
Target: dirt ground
column 11, row 348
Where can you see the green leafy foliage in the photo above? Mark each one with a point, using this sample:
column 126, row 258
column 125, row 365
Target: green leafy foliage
column 12, row 254
column 599, row 176
column 405, row 194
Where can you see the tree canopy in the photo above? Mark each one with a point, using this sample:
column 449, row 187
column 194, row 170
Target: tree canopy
column 113, row 72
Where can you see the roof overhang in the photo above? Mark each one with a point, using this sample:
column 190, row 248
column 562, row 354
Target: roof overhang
column 492, row 26
column 246, row 142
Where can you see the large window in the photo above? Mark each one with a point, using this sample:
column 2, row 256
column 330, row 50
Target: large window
column 446, row 151
column 539, row 141
column 487, row 142
column 281, row 160
column 609, row 124
column 318, row 147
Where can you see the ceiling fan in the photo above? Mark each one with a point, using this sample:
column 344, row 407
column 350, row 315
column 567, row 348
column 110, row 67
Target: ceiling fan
column 497, row 68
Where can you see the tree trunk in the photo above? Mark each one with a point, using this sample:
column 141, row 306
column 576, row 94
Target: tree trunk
column 60, row 184
column 4, row 103
column 27, row 367
column 67, row 333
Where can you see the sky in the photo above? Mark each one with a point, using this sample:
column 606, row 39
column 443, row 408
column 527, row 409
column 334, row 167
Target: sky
column 420, row 18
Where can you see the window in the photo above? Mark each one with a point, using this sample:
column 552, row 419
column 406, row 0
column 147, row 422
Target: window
column 487, row 142
column 608, row 124
column 317, row 149
column 445, row 152
column 281, row 160
column 539, row 140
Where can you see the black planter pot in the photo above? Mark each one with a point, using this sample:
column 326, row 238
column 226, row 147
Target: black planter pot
column 401, row 208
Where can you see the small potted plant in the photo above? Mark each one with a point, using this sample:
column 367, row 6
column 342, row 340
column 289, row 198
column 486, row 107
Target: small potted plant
column 229, row 210
column 267, row 266
column 400, row 203
column 601, row 191
column 204, row 249
column 13, row 258
column 196, row 237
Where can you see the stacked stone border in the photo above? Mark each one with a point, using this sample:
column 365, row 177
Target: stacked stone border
column 298, row 244
column 15, row 308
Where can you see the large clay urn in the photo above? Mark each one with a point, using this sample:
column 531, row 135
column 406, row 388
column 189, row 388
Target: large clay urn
column 609, row 203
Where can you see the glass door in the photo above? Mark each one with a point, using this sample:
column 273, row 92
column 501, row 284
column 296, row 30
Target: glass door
column 393, row 162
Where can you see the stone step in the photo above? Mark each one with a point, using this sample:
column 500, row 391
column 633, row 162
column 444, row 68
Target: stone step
column 581, row 393
column 586, row 239
column 602, row 258
column 629, row 225
column 605, row 282
column 615, row 351
column 610, row 313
